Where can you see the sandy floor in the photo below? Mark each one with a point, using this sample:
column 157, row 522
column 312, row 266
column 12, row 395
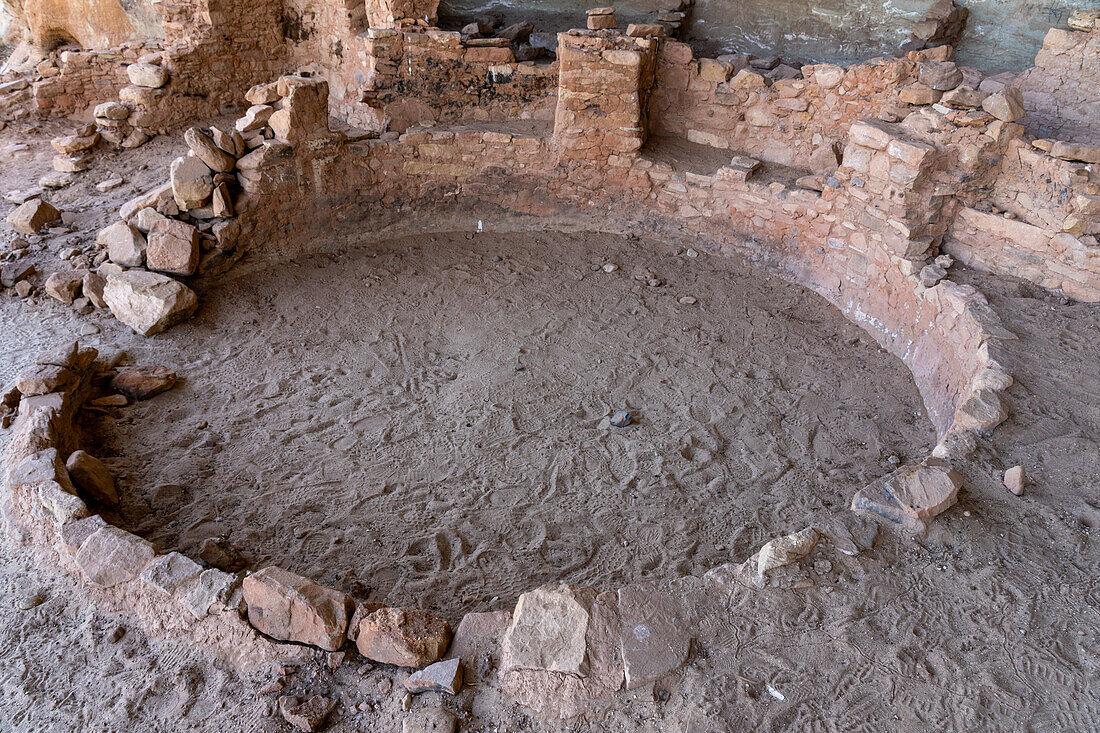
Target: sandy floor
column 752, row 400
column 425, row 423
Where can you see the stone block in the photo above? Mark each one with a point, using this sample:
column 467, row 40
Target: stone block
column 32, row 217
column 406, row 637
column 147, row 301
column 173, row 247
column 111, row 556
column 289, row 607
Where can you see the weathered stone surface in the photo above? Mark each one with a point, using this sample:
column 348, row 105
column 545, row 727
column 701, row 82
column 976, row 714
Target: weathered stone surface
column 72, row 144
column 432, row 720
column 548, row 631
column 32, row 217
column 306, row 716
column 168, row 573
column 204, row 148
column 150, row 76
column 148, row 302
column 1007, row 104
column 42, row 466
column 192, row 182
column 125, row 244
column 911, row 495
column 92, row 287
column 292, row 608
column 940, row 75
column 445, row 676
column 263, row 94
column 141, row 383
column 982, row 410
column 92, row 477
column 111, row 556
column 654, row 638
column 65, row 286
column 74, row 533
column 63, row 506
column 1076, row 151
column 44, row 378
column 478, row 639
column 562, row 694
column 145, row 218
column 112, row 111
column 213, row 587
column 173, row 247
column 406, row 637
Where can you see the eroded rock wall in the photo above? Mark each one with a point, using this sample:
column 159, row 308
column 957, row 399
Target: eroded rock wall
column 39, row 25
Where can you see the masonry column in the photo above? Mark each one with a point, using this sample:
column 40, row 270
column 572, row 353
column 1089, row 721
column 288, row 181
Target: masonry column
column 603, row 92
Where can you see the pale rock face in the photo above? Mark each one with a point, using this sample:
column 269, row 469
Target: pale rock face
column 33, row 216
column 112, row 556
column 150, row 76
column 147, row 301
column 125, row 244
column 192, row 182
column 548, row 632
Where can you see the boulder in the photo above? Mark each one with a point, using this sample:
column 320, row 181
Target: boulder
column 912, row 495
column 255, row 118
column 150, row 76
column 548, row 631
column 92, row 477
column 263, row 94
column 32, row 217
column 940, row 75
column 111, row 556
column 92, row 287
column 289, row 607
column 125, row 244
column 192, row 182
column 204, row 148
column 112, row 111
column 72, row 144
column 145, row 218
column 173, row 247
column 1074, row 151
column 1007, row 104
column 65, row 286
column 148, row 302
column 141, row 383
column 406, row 637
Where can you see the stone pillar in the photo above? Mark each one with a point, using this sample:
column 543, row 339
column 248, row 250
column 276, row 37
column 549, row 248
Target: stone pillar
column 603, row 93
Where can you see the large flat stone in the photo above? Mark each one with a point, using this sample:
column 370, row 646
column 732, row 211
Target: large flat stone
column 111, row 556
column 167, row 573
column 548, row 631
column 654, row 637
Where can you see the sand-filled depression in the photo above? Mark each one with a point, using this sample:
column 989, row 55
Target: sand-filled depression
column 426, row 421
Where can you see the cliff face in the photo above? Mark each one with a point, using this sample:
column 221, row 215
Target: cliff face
column 1001, row 34
column 93, row 24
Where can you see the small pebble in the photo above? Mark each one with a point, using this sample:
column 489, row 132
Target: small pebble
column 116, row 634
column 31, row 600
column 610, row 267
column 688, row 300
column 621, row 419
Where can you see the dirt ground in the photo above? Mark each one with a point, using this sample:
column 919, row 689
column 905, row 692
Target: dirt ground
column 358, row 415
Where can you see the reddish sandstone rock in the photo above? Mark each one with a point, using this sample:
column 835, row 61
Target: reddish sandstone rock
column 912, row 495
column 65, row 286
column 43, row 379
column 203, row 146
column 406, row 637
column 289, row 607
column 141, row 383
column 32, row 217
column 92, row 477
column 173, row 247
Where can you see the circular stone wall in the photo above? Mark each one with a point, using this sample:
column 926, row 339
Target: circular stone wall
column 426, row 421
